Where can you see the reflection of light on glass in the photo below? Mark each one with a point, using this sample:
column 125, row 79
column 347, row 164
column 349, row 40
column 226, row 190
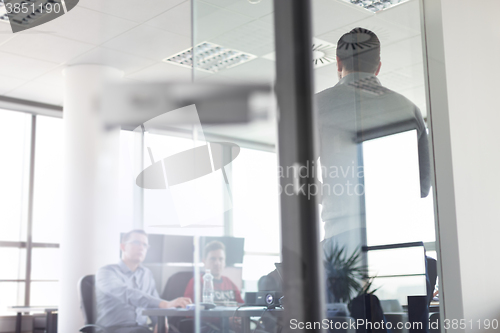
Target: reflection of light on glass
column 254, row 2
column 194, row 177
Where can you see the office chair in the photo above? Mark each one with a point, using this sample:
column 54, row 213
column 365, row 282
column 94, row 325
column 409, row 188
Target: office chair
column 86, row 286
column 176, row 285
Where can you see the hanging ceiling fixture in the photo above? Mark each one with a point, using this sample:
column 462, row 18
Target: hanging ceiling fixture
column 375, row 5
column 210, row 57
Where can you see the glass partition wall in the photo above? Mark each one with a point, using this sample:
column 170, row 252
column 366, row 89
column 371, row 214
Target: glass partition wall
column 369, row 175
column 224, row 225
column 315, row 212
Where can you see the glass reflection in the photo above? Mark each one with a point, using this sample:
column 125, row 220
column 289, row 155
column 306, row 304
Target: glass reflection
column 373, row 163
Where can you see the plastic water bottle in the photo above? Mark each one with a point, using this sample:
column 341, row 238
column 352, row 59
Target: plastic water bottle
column 208, row 287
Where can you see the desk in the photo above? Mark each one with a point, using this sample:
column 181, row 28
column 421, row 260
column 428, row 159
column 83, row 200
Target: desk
column 219, row 312
column 50, row 311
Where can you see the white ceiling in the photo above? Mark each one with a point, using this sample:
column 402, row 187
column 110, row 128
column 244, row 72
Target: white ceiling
column 135, row 36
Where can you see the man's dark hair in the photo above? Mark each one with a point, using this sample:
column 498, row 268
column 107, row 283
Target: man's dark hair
column 126, row 236
column 359, row 51
column 213, row 246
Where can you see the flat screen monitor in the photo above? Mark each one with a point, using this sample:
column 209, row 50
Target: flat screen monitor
column 180, row 249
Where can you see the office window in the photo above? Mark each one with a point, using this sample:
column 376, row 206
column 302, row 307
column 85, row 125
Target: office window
column 47, row 212
column 44, row 293
column 13, row 263
column 256, row 200
column 39, row 285
column 45, row 264
column 14, row 150
column 256, row 212
column 12, row 295
column 395, row 213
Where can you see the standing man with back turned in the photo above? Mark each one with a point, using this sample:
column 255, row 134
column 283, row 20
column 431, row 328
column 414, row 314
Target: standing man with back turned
column 125, row 289
column 356, row 109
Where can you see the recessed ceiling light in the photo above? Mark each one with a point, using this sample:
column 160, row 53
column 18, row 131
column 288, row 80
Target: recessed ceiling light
column 210, row 57
column 3, row 13
column 375, row 5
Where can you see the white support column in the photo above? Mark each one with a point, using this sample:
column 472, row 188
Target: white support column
column 90, row 236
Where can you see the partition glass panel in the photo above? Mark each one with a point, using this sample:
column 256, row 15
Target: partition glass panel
column 377, row 199
column 234, row 45
column 374, row 168
column 374, row 164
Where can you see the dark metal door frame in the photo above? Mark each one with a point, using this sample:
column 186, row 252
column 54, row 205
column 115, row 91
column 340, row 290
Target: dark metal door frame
column 297, row 132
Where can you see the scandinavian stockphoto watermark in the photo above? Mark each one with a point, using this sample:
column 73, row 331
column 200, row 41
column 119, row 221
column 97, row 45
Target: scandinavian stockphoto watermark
column 314, row 179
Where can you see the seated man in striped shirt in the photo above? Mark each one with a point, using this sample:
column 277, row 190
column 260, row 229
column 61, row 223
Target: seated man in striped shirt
column 125, row 289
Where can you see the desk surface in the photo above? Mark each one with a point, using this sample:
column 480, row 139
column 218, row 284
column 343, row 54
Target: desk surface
column 220, row 311
column 25, row 309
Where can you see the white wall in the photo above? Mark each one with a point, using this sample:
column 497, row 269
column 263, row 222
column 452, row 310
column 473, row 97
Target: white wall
column 471, row 31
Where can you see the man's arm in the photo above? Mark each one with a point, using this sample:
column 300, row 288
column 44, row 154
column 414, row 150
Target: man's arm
column 424, row 162
column 108, row 282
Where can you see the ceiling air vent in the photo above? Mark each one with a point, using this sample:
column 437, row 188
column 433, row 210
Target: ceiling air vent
column 375, row 5
column 210, row 57
column 323, row 53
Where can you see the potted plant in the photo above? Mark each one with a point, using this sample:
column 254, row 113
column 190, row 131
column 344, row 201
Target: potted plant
column 345, row 275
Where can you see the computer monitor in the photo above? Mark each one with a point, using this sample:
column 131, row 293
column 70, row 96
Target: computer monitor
column 180, row 249
column 170, row 249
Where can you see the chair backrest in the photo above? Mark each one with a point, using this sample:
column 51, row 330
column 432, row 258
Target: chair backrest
column 176, row 285
column 86, row 287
